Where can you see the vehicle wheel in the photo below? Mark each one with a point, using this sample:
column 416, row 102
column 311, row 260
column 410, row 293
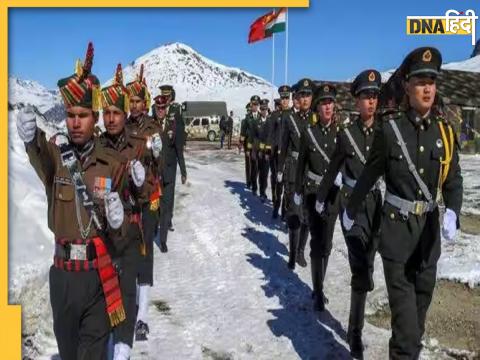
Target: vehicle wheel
column 211, row 136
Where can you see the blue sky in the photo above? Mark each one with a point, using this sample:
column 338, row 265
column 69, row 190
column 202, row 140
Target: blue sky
column 331, row 40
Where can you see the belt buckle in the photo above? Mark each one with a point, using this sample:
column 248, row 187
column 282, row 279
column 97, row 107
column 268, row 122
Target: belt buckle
column 78, row 252
column 419, row 207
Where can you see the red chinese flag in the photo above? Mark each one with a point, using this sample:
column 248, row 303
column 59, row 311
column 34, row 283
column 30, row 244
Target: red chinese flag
column 257, row 29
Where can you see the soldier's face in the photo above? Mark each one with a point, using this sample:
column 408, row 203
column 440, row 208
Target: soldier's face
column 421, row 93
column 284, row 102
column 296, row 102
column 114, row 120
column 325, row 110
column 160, row 111
column 80, row 124
column 137, row 106
column 254, row 107
column 264, row 111
column 367, row 105
column 305, row 100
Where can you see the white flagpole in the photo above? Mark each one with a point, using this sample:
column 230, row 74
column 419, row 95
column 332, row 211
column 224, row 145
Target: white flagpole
column 273, row 64
column 286, row 47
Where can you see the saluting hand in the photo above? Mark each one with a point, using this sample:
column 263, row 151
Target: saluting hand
column 138, row 173
column 27, row 124
column 114, row 210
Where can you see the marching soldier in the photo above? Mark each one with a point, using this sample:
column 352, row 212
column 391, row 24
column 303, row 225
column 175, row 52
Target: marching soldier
column 293, row 125
column 275, row 137
column 139, row 124
column 134, row 194
column 354, row 142
column 86, row 216
column 252, row 131
column 263, row 147
column 317, row 144
column 416, row 151
column 243, row 143
column 173, row 132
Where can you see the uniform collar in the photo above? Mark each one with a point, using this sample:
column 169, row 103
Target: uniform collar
column 304, row 115
column 87, row 153
column 417, row 120
column 366, row 130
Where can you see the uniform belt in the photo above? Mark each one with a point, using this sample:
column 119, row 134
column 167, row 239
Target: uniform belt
column 78, row 255
column 294, row 154
column 406, row 206
column 351, row 183
column 315, row 177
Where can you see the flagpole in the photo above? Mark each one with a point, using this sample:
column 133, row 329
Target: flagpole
column 286, row 47
column 273, row 64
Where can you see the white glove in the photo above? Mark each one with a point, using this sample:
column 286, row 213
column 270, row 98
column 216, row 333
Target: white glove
column 138, row 173
column 26, row 124
column 279, row 177
column 156, row 145
column 338, row 180
column 347, row 222
column 319, row 206
column 449, row 227
column 297, row 199
column 114, row 210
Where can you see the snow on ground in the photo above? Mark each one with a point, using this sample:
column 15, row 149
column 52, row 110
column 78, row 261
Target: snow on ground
column 224, row 289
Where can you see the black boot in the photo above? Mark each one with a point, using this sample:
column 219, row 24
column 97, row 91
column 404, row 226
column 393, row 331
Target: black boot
column 275, row 212
column 301, row 246
column 318, row 275
column 293, row 246
column 355, row 323
column 163, row 247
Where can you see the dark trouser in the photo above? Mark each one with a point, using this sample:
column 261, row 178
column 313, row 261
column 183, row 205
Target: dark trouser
column 167, row 202
column 321, row 228
column 362, row 239
column 145, row 266
column 229, row 140
column 128, row 285
column 80, row 320
column 254, row 170
column 410, row 248
column 273, row 178
column 263, row 167
column 222, row 138
column 247, row 167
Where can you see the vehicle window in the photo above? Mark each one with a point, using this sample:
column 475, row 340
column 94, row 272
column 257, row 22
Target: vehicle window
column 196, row 122
column 204, row 121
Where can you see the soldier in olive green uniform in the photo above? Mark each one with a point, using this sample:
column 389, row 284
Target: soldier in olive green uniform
column 416, row 151
column 141, row 125
column 243, row 144
column 354, row 142
column 135, row 193
column 263, row 148
column 317, row 144
column 173, row 134
column 293, row 124
column 86, row 216
column 253, row 119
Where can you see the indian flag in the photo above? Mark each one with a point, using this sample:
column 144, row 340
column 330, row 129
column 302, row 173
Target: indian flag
column 277, row 23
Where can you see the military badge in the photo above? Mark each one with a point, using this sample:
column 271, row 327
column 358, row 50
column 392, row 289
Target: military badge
column 326, row 88
column 427, row 56
column 102, row 187
column 306, row 83
column 371, row 76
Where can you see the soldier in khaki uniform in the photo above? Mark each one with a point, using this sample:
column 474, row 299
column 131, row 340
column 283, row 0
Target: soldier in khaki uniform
column 142, row 125
column 86, row 216
column 134, row 193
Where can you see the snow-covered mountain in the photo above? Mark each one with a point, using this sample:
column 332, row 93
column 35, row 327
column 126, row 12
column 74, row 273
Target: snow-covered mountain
column 196, row 77
column 23, row 92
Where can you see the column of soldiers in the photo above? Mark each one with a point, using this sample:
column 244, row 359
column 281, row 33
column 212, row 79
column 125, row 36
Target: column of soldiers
column 325, row 166
column 106, row 196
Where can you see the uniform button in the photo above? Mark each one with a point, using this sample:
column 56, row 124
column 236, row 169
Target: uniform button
column 421, row 171
column 326, row 145
column 60, row 196
column 419, row 192
column 392, row 216
column 368, row 148
column 353, row 153
column 422, row 148
column 422, row 127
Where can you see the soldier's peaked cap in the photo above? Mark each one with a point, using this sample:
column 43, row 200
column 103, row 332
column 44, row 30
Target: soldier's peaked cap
column 284, row 91
column 305, row 85
column 255, row 98
column 368, row 80
column 423, row 61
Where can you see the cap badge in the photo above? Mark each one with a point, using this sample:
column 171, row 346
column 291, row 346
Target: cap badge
column 371, row 76
column 306, row 83
column 326, row 88
column 427, row 56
